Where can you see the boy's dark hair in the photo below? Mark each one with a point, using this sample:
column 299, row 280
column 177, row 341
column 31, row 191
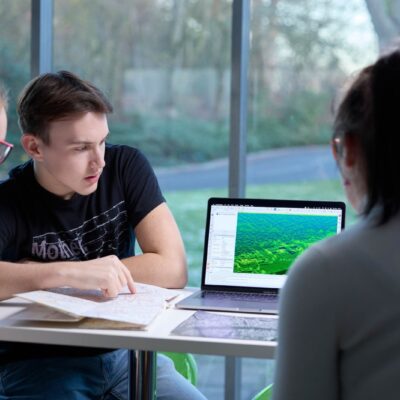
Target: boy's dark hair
column 370, row 111
column 54, row 96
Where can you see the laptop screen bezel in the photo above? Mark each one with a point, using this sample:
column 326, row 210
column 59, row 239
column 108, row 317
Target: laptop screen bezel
column 317, row 204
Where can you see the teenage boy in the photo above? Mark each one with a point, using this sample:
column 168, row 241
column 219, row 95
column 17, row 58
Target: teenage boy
column 73, row 212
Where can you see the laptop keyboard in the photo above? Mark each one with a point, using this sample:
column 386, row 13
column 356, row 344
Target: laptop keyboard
column 243, row 296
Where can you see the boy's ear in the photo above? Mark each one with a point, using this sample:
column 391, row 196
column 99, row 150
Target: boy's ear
column 32, row 146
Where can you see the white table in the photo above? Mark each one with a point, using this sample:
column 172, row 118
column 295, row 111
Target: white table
column 156, row 338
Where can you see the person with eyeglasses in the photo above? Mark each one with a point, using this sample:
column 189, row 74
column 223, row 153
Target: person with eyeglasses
column 339, row 322
column 5, row 147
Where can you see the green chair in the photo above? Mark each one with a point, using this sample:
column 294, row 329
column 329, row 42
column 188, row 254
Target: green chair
column 185, row 364
column 265, row 394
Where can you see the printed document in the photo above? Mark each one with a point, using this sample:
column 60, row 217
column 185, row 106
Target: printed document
column 137, row 310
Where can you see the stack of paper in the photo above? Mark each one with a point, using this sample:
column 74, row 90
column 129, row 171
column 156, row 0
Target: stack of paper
column 136, row 310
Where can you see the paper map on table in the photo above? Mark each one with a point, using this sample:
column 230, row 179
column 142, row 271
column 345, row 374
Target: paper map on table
column 137, row 310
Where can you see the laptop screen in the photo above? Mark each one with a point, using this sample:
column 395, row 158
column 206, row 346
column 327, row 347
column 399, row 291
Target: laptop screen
column 253, row 243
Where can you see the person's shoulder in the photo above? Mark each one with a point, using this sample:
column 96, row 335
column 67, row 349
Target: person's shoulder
column 10, row 191
column 17, row 181
column 6, row 186
column 345, row 242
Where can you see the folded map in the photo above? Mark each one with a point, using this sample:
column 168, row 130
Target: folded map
column 136, row 310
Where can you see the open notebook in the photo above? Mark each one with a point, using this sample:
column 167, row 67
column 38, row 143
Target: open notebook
column 250, row 245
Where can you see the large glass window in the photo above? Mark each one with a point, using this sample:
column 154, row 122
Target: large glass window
column 165, row 64
column 166, row 67
column 15, row 22
column 301, row 54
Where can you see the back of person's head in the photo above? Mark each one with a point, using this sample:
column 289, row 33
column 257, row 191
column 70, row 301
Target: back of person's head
column 3, row 96
column 370, row 111
column 55, row 96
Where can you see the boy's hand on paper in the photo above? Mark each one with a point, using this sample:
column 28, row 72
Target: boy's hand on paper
column 107, row 273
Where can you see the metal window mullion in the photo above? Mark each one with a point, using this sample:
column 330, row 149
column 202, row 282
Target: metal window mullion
column 237, row 145
column 238, row 109
column 41, row 36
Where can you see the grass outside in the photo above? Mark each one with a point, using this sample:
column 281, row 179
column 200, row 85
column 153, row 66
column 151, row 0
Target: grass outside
column 189, row 209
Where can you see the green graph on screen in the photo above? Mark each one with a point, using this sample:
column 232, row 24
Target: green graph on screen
column 269, row 243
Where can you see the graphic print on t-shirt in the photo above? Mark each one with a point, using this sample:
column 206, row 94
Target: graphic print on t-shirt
column 96, row 237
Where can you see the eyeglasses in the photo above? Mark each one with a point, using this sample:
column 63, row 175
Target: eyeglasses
column 5, row 150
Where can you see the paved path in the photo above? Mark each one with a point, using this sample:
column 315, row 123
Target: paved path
column 272, row 166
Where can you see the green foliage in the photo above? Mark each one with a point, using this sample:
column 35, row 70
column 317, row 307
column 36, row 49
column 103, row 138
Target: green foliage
column 295, row 62
column 302, row 119
column 168, row 141
column 294, row 66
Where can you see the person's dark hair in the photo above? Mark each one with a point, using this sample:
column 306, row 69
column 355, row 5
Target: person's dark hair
column 55, row 96
column 370, row 110
column 3, row 96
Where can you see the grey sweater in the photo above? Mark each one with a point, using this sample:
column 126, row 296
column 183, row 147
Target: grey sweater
column 339, row 328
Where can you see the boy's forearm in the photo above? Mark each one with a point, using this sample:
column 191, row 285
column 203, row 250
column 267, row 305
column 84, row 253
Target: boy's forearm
column 23, row 277
column 155, row 269
column 106, row 273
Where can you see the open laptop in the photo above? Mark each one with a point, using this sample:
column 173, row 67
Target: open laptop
column 250, row 245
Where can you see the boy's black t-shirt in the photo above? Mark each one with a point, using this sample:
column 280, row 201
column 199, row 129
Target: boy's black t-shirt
column 37, row 225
